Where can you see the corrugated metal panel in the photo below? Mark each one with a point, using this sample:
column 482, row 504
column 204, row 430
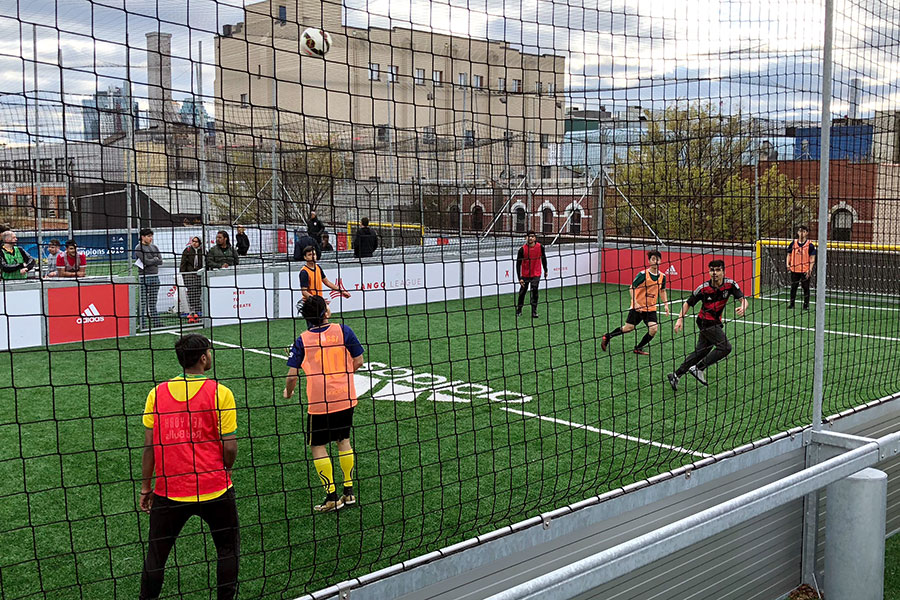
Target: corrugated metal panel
column 715, row 566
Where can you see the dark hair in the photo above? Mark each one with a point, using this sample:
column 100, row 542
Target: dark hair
column 655, row 253
column 190, row 348
column 803, row 228
column 530, row 233
column 54, row 242
column 717, row 263
column 314, row 309
column 224, row 234
column 71, row 243
column 146, row 231
column 308, row 249
column 364, row 221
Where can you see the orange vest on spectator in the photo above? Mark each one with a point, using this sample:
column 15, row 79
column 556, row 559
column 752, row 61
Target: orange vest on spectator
column 187, row 445
column 799, row 257
column 329, row 371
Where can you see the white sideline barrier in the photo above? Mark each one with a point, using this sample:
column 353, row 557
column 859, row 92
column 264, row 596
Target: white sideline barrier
column 21, row 325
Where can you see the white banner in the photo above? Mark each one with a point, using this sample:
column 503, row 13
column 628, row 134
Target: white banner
column 20, row 318
column 240, row 297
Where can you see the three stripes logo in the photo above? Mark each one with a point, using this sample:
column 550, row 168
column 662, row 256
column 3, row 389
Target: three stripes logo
column 90, row 315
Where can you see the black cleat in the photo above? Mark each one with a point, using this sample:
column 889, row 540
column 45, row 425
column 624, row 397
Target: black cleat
column 698, row 374
column 673, row 381
column 791, row 305
column 518, row 312
column 534, row 314
column 806, row 307
column 604, row 343
column 641, row 351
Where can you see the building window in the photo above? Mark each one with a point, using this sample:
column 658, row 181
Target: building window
column 547, row 220
column 282, row 14
column 551, row 88
column 842, row 225
column 477, row 218
column 420, row 77
column 382, row 134
column 546, row 172
column 393, row 73
column 430, row 136
column 545, row 140
column 537, row 87
column 463, row 79
column 516, row 86
column 374, row 71
column 470, row 138
column 575, row 222
column 501, row 84
column 437, row 77
column 244, row 102
column 477, row 81
column 508, row 138
column 519, row 220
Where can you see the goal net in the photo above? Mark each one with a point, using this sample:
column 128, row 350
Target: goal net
column 390, row 235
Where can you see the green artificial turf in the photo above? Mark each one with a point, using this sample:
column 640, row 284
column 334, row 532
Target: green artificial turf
column 431, row 471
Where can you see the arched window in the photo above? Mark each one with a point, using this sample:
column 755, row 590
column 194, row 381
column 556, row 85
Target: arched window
column 547, row 220
column 477, row 218
column 575, row 222
column 842, row 225
column 520, row 220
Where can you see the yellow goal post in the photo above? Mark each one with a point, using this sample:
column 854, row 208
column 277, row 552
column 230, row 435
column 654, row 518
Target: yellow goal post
column 768, row 252
column 412, row 233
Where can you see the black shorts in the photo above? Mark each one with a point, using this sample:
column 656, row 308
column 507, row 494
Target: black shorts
column 330, row 427
column 635, row 317
column 801, row 277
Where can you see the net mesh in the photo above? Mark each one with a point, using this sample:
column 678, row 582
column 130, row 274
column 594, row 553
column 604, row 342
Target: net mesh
column 498, row 380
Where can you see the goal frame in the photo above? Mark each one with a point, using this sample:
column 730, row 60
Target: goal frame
column 401, row 226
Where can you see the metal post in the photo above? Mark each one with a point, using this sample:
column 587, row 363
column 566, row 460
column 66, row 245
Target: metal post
column 756, row 196
column 62, row 98
column 129, row 144
column 854, row 536
column 275, row 183
column 38, row 187
column 204, row 208
column 391, row 148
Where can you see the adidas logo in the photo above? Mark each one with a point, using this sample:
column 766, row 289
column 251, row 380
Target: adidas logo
column 90, row 315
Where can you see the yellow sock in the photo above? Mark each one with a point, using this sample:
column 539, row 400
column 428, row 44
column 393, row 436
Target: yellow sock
column 324, row 469
column 346, row 459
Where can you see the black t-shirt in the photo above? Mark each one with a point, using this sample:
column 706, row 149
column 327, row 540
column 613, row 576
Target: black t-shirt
column 713, row 300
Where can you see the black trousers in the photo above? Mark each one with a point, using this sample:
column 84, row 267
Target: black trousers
column 712, row 346
column 167, row 518
column 532, row 282
column 798, row 279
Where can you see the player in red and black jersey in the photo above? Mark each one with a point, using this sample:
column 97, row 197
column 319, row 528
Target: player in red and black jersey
column 712, row 344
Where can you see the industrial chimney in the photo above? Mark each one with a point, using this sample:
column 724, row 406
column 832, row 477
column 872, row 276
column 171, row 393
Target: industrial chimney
column 159, row 78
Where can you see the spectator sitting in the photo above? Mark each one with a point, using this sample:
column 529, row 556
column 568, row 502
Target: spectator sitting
column 326, row 245
column 73, row 263
column 314, row 227
column 14, row 261
column 223, row 254
column 365, row 242
column 241, row 241
column 52, row 256
column 301, row 241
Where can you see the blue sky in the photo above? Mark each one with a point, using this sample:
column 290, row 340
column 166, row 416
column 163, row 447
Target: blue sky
column 757, row 56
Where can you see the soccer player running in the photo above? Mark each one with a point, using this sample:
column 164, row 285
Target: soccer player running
column 647, row 289
column 531, row 262
column 329, row 354
column 312, row 277
column 712, row 344
column 801, row 259
column 190, row 445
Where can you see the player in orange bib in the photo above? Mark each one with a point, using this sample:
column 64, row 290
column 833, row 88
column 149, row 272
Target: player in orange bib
column 312, row 277
column 801, row 260
column 190, row 448
column 329, row 354
column 647, row 290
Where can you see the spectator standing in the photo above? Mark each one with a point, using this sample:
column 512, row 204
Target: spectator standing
column 242, row 241
column 191, row 262
column 148, row 258
column 223, row 254
column 314, row 227
column 71, row 264
column 190, row 446
column 303, row 241
column 49, row 268
column 365, row 242
column 14, row 261
column 326, row 245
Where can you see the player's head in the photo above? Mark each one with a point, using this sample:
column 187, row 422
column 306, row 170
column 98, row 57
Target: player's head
column 531, row 237
column 315, row 311
column 53, row 246
column 717, row 269
column 802, row 231
column 364, row 221
column 146, row 236
column 654, row 257
column 309, row 254
column 194, row 350
column 71, row 248
column 222, row 238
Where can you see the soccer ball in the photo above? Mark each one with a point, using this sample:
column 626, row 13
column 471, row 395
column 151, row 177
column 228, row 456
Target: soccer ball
column 315, row 42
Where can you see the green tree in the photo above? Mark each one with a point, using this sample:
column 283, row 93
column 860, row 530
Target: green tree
column 691, row 179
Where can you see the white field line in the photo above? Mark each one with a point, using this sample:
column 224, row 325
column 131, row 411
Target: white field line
column 227, row 345
column 830, row 331
column 839, row 304
column 630, row 438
